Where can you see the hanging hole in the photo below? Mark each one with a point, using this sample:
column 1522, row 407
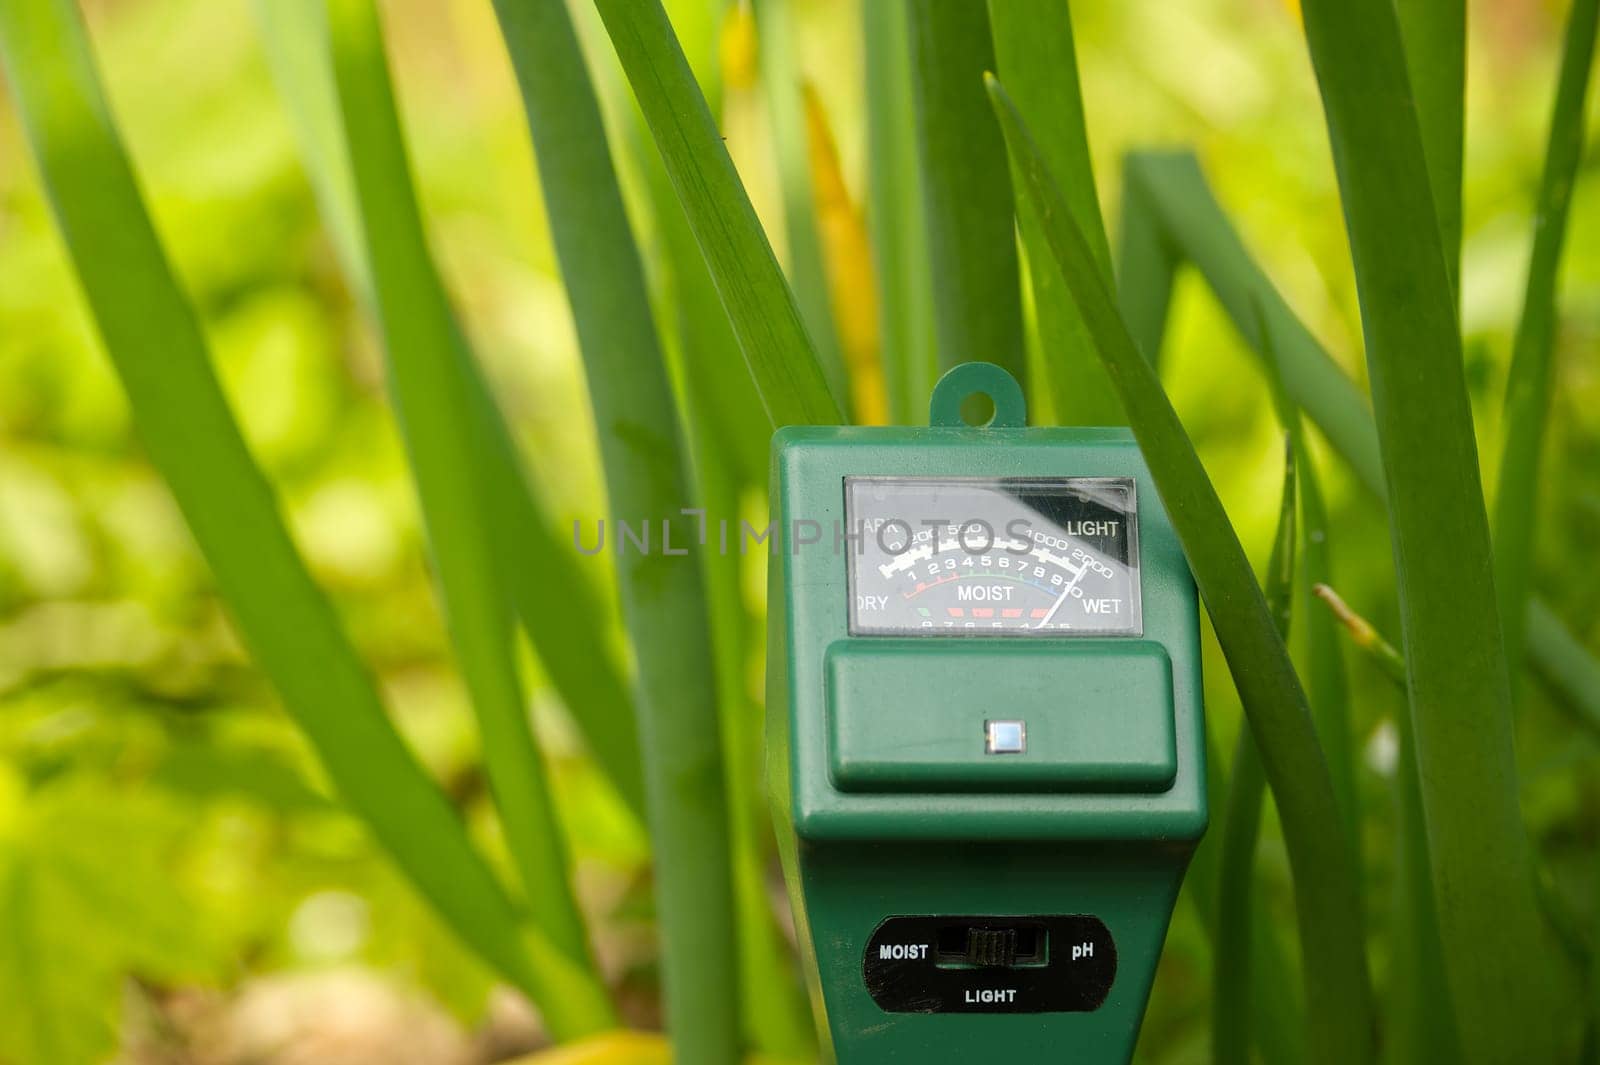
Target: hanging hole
column 977, row 410
column 976, row 395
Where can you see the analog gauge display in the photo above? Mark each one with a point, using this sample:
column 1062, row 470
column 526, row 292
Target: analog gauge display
column 993, row 557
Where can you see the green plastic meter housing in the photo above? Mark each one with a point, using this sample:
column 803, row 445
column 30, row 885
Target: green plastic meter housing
column 985, row 735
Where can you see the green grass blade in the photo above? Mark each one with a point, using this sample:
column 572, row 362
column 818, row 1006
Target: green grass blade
column 1147, row 265
column 1233, row 982
column 1187, row 215
column 727, row 454
column 895, row 216
column 1277, row 1017
column 775, row 1011
column 294, row 35
column 1327, row 689
column 1565, row 665
column 726, row 434
column 780, row 81
column 1460, row 699
column 754, row 294
column 1422, row 1025
column 967, row 201
column 1594, row 987
column 445, row 434
column 156, row 343
column 703, row 333
column 586, row 672
column 576, row 644
column 777, row 1017
column 1527, row 404
column 1193, row 223
column 1421, row 1021
column 1326, row 682
column 1327, row 898
column 1435, row 36
column 1034, row 48
column 662, row 593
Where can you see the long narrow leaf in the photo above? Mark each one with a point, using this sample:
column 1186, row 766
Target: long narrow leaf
column 1435, row 36
column 895, row 215
column 1328, row 691
column 777, row 1018
column 702, row 331
column 1460, row 700
column 1233, row 982
column 1327, row 898
column 710, row 376
column 1193, row 223
column 662, row 593
column 571, row 642
column 1037, row 58
column 155, row 341
column 294, row 34
column 1147, row 263
column 807, row 266
column 1424, row 1022
column 1421, row 1020
column 1194, row 228
column 713, row 34
column 1277, row 1019
column 1564, row 664
column 967, row 202
column 445, row 433
column 1325, row 671
column 754, row 293
column 852, row 283
column 1527, row 406
column 719, row 413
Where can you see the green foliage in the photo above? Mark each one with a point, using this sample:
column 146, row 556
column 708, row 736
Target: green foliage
column 756, row 297
column 895, row 215
column 1170, row 204
column 1482, row 871
column 84, row 898
column 663, row 597
column 447, row 441
column 1241, row 823
column 164, row 825
column 1435, row 36
column 971, row 242
column 1528, row 387
column 161, row 357
column 1038, row 60
column 1190, row 226
column 589, row 677
column 781, row 83
column 719, row 408
column 1338, row 993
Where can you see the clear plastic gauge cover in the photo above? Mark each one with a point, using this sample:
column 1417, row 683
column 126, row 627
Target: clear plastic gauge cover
column 993, row 557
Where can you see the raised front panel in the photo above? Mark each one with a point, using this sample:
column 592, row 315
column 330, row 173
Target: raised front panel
column 1000, row 716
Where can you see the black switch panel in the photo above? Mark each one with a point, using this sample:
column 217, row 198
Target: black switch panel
column 990, row 964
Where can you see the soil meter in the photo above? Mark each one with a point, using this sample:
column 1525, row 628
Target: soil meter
column 985, row 735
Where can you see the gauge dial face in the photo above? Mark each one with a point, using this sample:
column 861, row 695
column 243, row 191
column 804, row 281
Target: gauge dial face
column 993, row 557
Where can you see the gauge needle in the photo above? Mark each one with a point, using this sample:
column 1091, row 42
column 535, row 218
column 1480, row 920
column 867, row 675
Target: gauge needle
column 1062, row 598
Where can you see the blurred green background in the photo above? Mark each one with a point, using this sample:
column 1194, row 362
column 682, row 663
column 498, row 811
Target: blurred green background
column 177, row 883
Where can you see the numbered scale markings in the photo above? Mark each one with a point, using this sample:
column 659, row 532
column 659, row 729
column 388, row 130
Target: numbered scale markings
column 994, row 557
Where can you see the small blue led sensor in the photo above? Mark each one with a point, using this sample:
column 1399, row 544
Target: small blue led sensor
column 1005, row 737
